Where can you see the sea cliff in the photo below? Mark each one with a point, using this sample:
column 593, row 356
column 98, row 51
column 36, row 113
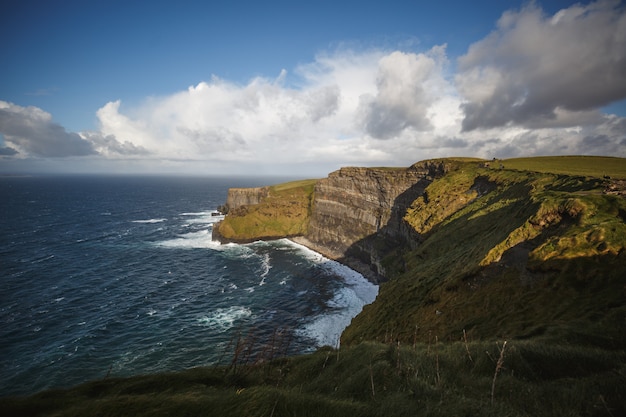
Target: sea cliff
column 355, row 214
column 239, row 197
column 455, row 238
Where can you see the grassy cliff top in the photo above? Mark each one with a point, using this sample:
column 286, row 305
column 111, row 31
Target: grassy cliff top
column 590, row 166
column 284, row 212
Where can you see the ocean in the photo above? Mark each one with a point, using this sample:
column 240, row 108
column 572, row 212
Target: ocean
column 117, row 276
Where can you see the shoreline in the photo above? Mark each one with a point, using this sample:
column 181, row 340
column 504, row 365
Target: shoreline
column 351, row 263
column 358, row 292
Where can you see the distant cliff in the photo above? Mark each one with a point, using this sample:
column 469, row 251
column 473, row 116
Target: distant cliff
column 356, row 214
column 238, row 197
column 269, row 212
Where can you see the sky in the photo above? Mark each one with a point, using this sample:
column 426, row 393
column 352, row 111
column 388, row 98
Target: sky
column 304, row 88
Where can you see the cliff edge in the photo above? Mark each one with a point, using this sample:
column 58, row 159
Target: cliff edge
column 355, row 215
column 515, row 248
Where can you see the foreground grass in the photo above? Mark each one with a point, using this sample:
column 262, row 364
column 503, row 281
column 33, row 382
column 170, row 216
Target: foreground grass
column 519, row 378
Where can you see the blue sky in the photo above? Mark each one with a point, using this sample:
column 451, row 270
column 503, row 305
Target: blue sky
column 243, row 87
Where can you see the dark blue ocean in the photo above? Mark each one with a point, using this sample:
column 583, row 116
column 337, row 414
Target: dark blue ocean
column 119, row 276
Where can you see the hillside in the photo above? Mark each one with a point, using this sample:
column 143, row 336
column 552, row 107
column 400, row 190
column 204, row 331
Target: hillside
column 506, row 254
column 498, row 249
column 503, row 292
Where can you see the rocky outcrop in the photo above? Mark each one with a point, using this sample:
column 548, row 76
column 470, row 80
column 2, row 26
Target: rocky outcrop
column 239, row 197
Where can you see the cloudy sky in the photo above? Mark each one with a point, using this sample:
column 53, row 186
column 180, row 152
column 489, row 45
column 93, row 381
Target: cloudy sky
column 303, row 88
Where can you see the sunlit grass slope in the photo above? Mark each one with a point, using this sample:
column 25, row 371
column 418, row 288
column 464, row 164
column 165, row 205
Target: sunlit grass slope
column 285, row 212
column 595, row 166
column 508, row 254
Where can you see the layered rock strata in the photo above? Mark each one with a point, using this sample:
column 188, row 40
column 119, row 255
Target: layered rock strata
column 239, row 197
column 357, row 213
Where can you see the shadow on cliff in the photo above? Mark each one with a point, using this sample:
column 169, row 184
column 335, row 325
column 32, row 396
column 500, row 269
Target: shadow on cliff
column 438, row 285
column 366, row 255
column 381, row 255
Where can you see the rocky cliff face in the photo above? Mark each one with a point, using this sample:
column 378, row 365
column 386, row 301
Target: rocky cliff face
column 357, row 212
column 238, row 197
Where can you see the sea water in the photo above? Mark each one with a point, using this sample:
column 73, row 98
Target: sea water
column 118, row 276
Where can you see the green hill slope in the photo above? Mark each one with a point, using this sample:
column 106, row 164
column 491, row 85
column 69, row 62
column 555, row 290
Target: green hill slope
column 506, row 254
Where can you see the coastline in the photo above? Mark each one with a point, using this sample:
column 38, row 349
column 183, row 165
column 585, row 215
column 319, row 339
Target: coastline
column 348, row 302
column 352, row 263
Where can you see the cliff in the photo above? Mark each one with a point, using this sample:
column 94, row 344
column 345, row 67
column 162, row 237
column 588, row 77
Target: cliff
column 271, row 212
column 509, row 254
column 238, row 197
column 456, row 239
column 356, row 214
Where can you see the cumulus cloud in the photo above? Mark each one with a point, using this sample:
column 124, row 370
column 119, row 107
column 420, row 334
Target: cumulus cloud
column 32, row 131
column 331, row 111
column 406, row 88
column 537, row 70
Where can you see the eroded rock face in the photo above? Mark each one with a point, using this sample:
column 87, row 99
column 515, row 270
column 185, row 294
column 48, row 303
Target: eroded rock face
column 357, row 214
column 238, row 197
column 355, row 208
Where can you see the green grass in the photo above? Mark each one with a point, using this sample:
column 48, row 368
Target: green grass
column 306, row 185
column 505, row 254
column 591, row 166
column 370, row 379
column 285, row 212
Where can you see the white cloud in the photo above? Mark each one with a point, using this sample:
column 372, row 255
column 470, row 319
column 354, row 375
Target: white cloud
column 404, row 95
column 340, row 102
column 109, row 146
column 536, row 70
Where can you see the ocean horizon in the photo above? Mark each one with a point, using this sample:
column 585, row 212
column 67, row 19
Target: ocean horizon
column 119, row 275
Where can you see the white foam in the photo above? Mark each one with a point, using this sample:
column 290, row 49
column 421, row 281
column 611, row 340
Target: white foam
column 201, row 239
column 224, row 318
column 150, row 221
column 203, row 217
column 326, row 329
column 265, row 268
column 364, row 289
